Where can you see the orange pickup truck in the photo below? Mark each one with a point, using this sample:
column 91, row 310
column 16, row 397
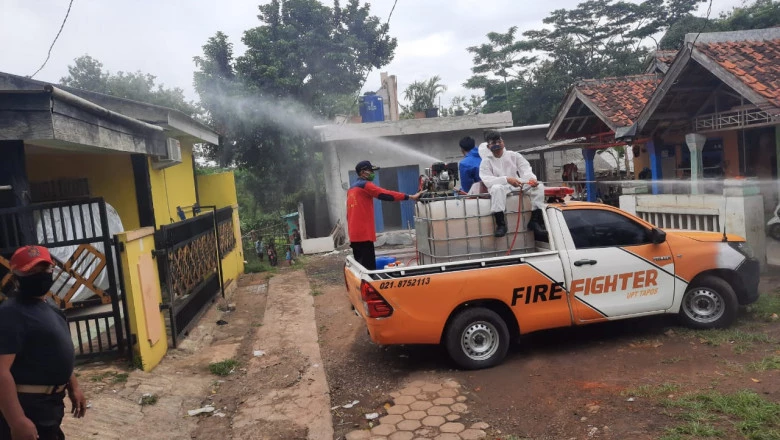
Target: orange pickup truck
column 595, row 263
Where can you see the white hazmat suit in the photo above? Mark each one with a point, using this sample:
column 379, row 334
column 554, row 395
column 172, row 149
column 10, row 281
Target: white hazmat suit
column 494, row 170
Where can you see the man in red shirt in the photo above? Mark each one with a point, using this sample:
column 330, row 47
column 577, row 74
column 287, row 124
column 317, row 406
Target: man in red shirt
column 360, row 212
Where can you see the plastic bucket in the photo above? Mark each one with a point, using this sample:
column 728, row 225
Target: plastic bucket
column 381, row 262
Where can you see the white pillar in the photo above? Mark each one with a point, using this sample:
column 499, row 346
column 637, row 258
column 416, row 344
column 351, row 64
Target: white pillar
column 696, row 143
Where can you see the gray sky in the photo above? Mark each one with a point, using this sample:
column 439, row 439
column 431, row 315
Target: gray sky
column 162, row 36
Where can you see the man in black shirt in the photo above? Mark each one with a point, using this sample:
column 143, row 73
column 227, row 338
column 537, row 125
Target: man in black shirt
column 36, row 355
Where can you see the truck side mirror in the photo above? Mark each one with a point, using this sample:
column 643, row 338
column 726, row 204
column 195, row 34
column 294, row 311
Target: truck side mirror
column 657, row 236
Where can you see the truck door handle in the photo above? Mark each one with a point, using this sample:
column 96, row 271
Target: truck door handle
column 579, row 263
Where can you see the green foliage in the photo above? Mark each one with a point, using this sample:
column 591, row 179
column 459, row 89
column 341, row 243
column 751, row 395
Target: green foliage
column 422, row 94
column 750, row 414
column 148, row 399
column 717, row 337
column 305, row 62
column 87, row 74
column 530, row 74
column 766, row 364
column 223, row 368
column 766, row 306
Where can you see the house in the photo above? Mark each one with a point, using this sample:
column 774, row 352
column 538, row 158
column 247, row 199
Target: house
column 109, row 185
column 404, row 149
column 712, row 119
column 591, row 114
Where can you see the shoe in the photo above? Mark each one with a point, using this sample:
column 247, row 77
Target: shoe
column 500, row 224
column 537, row 221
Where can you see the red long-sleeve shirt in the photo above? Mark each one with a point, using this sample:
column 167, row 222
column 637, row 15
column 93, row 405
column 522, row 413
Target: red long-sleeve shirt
column 360, row 208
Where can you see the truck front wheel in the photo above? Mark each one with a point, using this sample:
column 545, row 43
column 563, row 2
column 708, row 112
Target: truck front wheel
column 477, row 338
column 710, row 303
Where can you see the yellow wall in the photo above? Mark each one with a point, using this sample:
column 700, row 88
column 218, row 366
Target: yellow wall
column 220, row 190
column 137, row 243
column 173, row 186
column 217, row 189
column 110, row 176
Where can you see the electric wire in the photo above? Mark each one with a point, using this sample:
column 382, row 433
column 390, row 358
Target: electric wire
column 706, row 22
column 62, row 26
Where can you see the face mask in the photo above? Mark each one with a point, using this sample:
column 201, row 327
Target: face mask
column 33, row 286
column 371, row 177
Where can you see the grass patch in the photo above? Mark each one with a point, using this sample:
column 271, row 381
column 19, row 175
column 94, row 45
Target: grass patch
column 223, row 368
column 102, row 376
column 120, row 378
column 672, row 360
column 751, row 415
column 766, row 364
column 316, row 292
column 718, row 337
column 148, row 399
column 765, row 307
column 651, row 390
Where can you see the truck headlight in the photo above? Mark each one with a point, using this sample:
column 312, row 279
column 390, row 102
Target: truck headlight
column 743, row 248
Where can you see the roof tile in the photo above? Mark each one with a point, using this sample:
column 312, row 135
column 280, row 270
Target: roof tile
column 755, row 63
column 620, row 99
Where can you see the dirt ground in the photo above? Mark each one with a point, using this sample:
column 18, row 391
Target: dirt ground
column 605, row 381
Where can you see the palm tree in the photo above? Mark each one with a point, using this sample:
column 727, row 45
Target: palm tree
column 422, row 94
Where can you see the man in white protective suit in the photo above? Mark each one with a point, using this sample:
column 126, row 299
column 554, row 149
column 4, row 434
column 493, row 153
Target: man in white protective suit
column 503, row 171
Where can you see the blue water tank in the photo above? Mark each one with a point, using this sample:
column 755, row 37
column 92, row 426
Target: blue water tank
column 372, row 108
column 382, row 262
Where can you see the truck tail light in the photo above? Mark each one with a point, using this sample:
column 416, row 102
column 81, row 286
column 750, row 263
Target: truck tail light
column 374, row 305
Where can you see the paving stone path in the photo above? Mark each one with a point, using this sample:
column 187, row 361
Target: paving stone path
column 424, row 410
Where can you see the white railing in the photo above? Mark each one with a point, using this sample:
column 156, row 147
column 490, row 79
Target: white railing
column 709, row 221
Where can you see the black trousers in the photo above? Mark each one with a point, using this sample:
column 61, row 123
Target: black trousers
column 363, row 251
column 45, row 410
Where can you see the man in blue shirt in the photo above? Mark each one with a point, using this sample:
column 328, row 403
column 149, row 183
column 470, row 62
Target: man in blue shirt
column 469, row 166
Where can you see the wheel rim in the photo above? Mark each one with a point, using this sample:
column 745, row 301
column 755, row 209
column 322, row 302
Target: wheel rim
column 480, row 340
column 703, row 305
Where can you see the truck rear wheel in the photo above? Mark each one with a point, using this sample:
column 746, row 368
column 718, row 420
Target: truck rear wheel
column 710, row 303
column 477, row 338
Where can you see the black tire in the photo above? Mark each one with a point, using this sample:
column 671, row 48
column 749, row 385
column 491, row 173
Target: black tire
column 774, row 231
column 710, row 303
column 477, row 338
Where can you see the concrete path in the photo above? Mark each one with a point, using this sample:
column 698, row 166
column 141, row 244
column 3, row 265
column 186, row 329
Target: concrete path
column 282, row 394
column 288, row 335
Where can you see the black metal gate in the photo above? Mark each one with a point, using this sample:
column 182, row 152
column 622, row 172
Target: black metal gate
column 189, row 256
column 87, row 278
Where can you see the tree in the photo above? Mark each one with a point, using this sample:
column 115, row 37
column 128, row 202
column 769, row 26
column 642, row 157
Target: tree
column 758, row 15
column 87, row 74
column 531, row 74
column 422, row 94
column 304, row 63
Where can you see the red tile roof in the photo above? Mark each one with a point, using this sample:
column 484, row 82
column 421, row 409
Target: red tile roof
column 755, row 63
column 620, row 99
column 665, row 56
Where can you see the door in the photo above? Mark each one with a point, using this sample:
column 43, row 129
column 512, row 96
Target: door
column 408, row 182
column 616, row 270
column 379, row 223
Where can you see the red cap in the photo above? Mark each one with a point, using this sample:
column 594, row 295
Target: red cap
column 27, row 257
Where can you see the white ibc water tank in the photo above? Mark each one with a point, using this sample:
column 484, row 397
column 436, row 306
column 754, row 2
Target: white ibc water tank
column 456, row 228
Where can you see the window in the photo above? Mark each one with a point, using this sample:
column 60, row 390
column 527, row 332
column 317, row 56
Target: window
column 591, row 228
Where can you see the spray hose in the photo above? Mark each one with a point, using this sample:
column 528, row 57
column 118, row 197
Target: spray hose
column 517, row 226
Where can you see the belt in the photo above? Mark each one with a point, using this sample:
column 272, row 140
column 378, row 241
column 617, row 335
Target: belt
column 40, row 389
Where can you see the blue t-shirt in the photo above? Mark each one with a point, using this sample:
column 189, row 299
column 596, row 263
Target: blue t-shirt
column 469, row 169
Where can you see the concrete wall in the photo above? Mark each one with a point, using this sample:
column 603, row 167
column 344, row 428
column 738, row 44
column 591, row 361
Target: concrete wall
column 740, row 209
column 173, row 186
column 110, row 175
column 417, row 149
